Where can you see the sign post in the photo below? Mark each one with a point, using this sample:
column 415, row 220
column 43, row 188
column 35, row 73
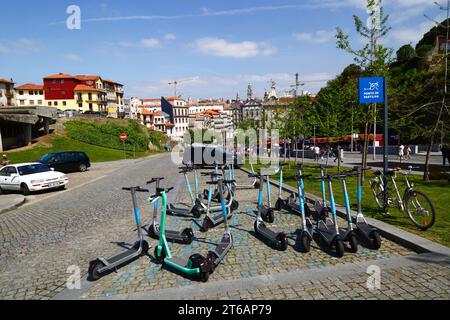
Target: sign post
column 374, row 90
column 124, row 138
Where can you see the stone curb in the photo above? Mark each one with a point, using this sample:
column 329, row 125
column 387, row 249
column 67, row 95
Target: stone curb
column 402, row 237
column 17, row 201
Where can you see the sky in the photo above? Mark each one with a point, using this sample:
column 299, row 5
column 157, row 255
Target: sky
column 216, row 47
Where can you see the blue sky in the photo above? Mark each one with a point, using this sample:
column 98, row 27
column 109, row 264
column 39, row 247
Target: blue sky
column 219, row 46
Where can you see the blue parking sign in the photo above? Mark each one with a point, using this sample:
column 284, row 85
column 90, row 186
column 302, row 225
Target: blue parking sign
column 371, row 90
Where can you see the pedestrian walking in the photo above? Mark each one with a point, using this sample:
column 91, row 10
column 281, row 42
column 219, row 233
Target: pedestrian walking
column 401, row 152
column 445, row 154
column 408, row 152
column 316, row 153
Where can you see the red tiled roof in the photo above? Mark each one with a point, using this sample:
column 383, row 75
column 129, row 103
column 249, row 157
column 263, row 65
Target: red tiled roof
column 169, row 124
column 60, row 76
column 152, row 100
column 5, row 81
column 145, row 112
column 84, row 77
column 83, row 87
column 30, row 86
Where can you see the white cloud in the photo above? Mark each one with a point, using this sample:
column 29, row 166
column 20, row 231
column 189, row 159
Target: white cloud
column 320, row 36
column 21, row 46
column 222, row 48
column 169, row 37
column 72, row 57
column 150, row 43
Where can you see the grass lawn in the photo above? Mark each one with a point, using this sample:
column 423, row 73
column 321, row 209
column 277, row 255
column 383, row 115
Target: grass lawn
column 437, row 191
column 60, row 143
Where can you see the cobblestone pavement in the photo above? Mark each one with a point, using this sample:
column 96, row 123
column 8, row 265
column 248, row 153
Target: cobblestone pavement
column 39, row 242
column 251, row 258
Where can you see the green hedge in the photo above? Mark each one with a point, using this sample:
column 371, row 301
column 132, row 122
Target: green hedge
column 108, row 134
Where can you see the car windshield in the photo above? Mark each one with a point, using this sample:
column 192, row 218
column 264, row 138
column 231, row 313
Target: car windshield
column 33, row 169
column 46, row 158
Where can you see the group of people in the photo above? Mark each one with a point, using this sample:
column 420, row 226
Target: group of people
column 402, row 150
column 320, row 153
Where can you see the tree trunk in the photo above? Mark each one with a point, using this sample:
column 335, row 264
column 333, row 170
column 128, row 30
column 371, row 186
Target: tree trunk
column 426, row 172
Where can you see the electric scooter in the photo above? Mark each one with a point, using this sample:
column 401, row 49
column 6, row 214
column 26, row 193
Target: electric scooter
column 101, row 266
column 216, row 256
column 195, row 207
column 182, row 237
column 253, row 185
column 214, row 216
column 278, row 240
column 364, row 230
column 290, row 203
column 196, row 265
column 348, row 234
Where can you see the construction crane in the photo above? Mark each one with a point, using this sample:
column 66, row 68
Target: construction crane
column 175, row 84
column 297, row 84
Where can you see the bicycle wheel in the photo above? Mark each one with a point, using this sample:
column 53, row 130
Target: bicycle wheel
column 420, row 209
column 377, row 192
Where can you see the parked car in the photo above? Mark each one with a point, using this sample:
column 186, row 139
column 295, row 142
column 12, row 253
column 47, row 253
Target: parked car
column 206, row 155
column 67, row 161
column 31, row 177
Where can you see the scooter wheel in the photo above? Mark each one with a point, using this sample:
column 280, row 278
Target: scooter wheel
column 152, row 233
column 353, row 244
column 206, row 225
column 196, row 213
column 375, row 240
column 303, row 242
column 94, row 268
column 211, row 257
column 255, row 227
column 279, row 205
column 187, row 235
column 257, row 185
column 339, row 246
column 204, row 276
column 282, row 242
column 159, row 258
column 234, row 205
column 145, row 248
column 270, row 217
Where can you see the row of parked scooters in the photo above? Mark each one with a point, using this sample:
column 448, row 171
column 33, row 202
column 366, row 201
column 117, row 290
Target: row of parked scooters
column 218, row 205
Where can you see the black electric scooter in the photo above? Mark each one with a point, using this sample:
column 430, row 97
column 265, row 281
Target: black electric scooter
column 183, row 237
column 278, row 240
column 216, row 256
column 214, row 215
column 101, row 266
column 363, row 229
column 195, row 208
column 291, row 203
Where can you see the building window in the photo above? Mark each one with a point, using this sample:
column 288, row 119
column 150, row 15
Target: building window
column 21, row 93
column 41, row 92
column 30, row 93
column 31, row 102
column 55, row 103
column 80, row 105
column 64, row 103
column 22, row 102
column 40, row 102
column 62, row 81
column 54, row 81
column 50, row 104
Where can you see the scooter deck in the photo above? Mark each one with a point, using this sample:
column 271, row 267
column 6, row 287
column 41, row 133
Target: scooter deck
column 267, row 233
column 182, row 262
column 217, row 218
column 327, row 233
column 222, row 248
column 364, row 229
column 126, row 255
column 172, row 209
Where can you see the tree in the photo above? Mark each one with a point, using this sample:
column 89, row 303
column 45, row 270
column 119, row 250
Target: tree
column 373, row 58
column 405, row 53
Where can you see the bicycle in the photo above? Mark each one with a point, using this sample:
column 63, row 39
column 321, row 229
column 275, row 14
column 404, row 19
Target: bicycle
column 415, row 203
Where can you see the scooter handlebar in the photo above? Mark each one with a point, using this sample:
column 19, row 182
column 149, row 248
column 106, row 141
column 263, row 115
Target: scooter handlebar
column 136, row 189
column 154, row 180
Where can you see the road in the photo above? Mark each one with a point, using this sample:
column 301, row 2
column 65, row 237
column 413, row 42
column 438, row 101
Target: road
column 41, row 240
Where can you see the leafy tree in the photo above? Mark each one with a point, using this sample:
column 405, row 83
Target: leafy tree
column 405, row 53
column 373, row 58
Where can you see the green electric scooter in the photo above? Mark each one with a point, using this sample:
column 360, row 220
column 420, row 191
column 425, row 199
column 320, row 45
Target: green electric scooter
column 195, row 266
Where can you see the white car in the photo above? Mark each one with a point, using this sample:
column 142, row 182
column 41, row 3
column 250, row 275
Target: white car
column 31, row 177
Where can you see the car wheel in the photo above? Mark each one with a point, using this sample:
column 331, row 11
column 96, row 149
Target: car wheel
column 25, row 190
column 82, row 167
